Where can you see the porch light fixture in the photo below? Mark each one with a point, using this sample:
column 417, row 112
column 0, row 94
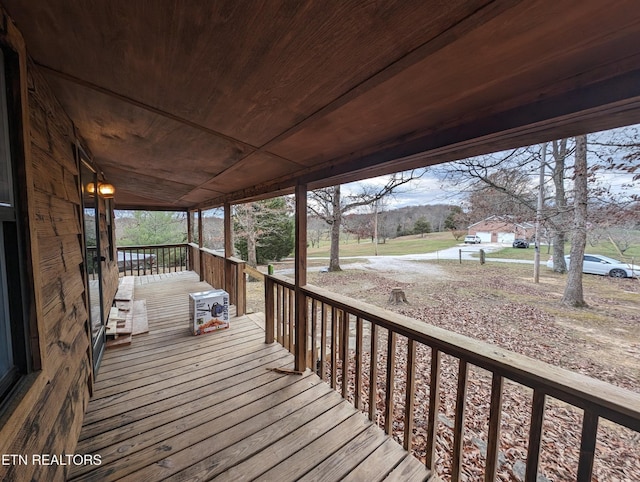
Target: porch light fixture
column 105, row 190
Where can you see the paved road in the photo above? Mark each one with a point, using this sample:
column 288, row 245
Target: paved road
column 405, row 262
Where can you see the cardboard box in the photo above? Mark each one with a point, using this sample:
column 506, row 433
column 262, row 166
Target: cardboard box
column 209, row 311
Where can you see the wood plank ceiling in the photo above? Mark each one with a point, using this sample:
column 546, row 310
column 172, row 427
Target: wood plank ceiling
column 187, row 103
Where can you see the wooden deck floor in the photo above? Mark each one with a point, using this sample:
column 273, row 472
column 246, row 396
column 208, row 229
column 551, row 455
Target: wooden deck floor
column 174, row 406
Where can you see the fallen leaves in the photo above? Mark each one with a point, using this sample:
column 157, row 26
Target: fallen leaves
column 518, row 326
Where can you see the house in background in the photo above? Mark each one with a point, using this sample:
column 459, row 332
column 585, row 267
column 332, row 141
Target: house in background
column 501, row 229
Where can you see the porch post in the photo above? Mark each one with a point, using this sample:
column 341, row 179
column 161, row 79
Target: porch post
column 200, row 257
column 228, row 232
column 189, row 227
column 301, row 277
column 227, row 275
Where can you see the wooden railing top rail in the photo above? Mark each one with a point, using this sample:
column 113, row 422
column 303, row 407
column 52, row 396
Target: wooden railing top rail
column 611, row 402
column 254, row 272
column 212, row 252
column 153, row 246
column 234, row 260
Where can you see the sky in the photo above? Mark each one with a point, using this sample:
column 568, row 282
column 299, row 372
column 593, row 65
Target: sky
column 432, row 189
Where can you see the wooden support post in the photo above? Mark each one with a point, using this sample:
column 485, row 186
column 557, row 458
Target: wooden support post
column 228, row 232
column 229, row 279
column 200, row 236
column 189, row 227
column 301, row 277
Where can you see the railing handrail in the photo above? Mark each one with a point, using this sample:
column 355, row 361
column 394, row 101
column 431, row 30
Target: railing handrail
column 254, row 272
column 608, row 401
column 153, row 246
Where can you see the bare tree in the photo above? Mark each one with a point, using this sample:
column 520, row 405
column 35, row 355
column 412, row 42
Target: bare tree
column 558, row 217
column 573, row 294
column 329, row 205
column 501, row 183
column 245, row 225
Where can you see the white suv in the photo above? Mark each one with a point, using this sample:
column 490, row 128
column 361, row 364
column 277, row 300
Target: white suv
column 472, row 239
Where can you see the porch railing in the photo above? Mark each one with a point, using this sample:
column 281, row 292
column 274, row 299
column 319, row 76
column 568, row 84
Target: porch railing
column 152, row 259
column 341, row 354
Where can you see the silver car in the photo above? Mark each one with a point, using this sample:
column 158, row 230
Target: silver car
column 598, row 264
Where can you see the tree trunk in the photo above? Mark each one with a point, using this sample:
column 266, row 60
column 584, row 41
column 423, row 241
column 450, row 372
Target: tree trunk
column 560, row 219
column 334, row 257
column 252, row 259
column 573, row 294
column 559, row 264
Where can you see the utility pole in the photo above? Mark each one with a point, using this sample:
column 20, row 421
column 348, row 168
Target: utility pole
column 536, row 258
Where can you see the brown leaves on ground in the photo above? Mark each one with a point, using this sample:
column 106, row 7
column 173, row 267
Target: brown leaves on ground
column 512, row 312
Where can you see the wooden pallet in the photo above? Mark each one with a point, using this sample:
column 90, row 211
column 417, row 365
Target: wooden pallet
column 119, row 327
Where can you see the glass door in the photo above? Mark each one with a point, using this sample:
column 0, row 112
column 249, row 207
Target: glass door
column 93, row 262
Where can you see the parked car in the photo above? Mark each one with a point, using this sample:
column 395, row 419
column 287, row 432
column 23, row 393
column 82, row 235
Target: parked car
column 472, row 239
column 598, row 264
column 520, row 243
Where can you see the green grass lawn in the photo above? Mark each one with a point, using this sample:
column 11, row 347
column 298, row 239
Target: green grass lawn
column 604, row 248
column 403, row 245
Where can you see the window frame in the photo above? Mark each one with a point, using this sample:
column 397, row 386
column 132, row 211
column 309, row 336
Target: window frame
column 19, row 296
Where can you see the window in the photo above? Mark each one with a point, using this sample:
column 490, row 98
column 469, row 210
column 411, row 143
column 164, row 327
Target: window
column 14, row 359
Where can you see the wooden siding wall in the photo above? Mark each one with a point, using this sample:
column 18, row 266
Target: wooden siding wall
column 46, row 416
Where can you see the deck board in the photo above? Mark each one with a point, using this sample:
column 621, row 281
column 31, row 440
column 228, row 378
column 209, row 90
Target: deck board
column 173, row 406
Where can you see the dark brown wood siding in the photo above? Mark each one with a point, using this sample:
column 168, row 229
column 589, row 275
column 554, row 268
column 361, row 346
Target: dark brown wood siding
column 45, row 416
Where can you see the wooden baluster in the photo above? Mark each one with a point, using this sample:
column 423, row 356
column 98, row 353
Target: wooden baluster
column 269, row 309
column 493, row 437
column 164, row 260
column 285, row 314
column 285, row 317
column 138, row 260
column 373, row 373
column 458, row 428
column 409, row 398
column 314, row 333
column 279, row 335
column 535, row 436
column 358, row 380
column 334, row 347
column 345, row 354
column 434, row 408
column 292, row 312
column 587, row 445
column 323, row 341
column 391, row 375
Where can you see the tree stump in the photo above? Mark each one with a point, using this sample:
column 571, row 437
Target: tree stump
column 397, row 296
